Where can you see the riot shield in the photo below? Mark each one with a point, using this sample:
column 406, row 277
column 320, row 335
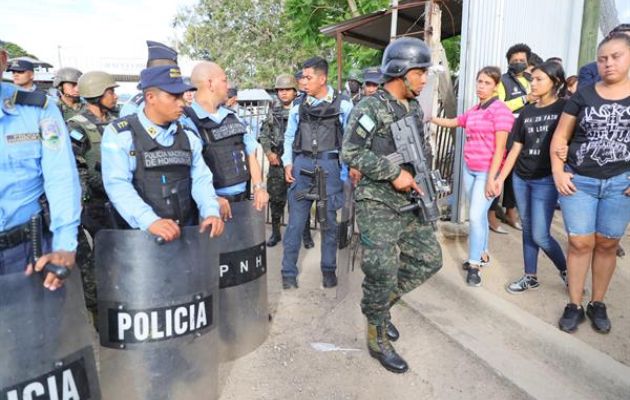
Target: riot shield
column 347, row 242
column 46, row 341
column 157, row 315
column 243, row 306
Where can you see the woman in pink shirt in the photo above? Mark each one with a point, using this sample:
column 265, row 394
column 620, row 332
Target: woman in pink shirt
column 486, row 125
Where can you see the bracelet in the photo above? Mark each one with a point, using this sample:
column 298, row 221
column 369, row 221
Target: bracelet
column 260, row 185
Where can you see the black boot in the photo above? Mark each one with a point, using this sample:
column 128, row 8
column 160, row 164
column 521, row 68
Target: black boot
column 275, row 237
column 392, row 331
column 381, row 349
column 307, row 239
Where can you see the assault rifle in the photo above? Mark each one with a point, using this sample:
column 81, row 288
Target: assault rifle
column 316, row 192
column 409, row 150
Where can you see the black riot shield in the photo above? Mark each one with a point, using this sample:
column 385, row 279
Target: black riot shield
column 157, row 314
column 347, row 242
column 243, row 306
column 46, row 341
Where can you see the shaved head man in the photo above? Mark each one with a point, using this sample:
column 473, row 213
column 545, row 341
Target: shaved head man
column 230, row 144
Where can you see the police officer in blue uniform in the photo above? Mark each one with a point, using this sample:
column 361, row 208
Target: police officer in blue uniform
column 149, row 154
column 159, row 54
column 23, row 74
column 229, row 144
column 319, row 119
column 35, row 159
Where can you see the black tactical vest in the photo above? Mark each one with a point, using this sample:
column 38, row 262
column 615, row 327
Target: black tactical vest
column 513, row 88
column 224, row 148
column 162, row 175
column 319, row 128
column 280, row 120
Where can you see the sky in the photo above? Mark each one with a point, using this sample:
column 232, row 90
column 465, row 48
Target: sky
column 89, row 33
column 104, row 34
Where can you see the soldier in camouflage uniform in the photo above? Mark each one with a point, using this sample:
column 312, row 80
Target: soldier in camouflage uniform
column 66, row 82
column 86, row 131
column 353, row 86
column 272, row 141
column 400, row 251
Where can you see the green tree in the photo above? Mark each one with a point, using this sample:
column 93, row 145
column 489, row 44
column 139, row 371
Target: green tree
column 15, row 50
column 255, row 40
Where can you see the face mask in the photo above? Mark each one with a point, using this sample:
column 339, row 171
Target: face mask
column 517, row 68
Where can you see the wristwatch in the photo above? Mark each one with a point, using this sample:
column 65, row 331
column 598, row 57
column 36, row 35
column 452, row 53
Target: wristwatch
column 260, row 185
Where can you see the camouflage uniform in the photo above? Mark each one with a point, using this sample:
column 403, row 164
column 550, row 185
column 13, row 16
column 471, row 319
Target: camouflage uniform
column 272, row 141
column 86, row 132
column 400, row 252
column 69, row 112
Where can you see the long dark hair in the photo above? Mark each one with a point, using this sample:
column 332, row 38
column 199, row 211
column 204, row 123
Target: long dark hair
column 555, row 72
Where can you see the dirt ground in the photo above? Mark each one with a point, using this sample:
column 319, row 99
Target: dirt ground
column 289, row 365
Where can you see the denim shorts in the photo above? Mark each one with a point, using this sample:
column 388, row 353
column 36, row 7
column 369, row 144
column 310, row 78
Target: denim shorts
column 598, row 206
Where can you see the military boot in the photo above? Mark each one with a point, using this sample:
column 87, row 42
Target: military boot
column 392, row 331
column 275, row 237
column 307, row 239
column 381, row 349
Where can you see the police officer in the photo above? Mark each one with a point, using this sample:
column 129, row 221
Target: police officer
column 272, row 141
column 314, row 134
column 353, row 86
column 159, row 54
column 150, row 154
column 229, row 144
column 23, row 74
column 66, row 82
column 307, row 238
column 86, row 132
column 35, row 159
column 400, row 252
column 371, row 80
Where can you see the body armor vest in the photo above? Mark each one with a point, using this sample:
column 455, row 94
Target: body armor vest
column 224, row 149
column 319, row 128
column 162, row 175
column 280, row 119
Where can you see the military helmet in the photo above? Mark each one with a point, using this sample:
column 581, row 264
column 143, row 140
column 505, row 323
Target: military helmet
column 95, row 83
column 285, row 81
column 67, row 74
column 404, row 54
column 355, row 75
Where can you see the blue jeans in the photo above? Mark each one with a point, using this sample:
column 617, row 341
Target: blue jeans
column 475, row 184
column 300, row 211
column 599, row 206
column 536, row 200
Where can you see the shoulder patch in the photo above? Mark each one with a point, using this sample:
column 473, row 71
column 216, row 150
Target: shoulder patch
column 121, row 125
column 35, row 99
column 366, row 123
column 50, row 132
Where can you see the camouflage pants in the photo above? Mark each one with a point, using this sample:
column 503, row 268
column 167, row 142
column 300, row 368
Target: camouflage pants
column 399, row 254
column 277, row 187
column 85, row 262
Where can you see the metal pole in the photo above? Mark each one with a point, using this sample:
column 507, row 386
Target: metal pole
column 339, row 60
column 588, row 35
column 394, row 25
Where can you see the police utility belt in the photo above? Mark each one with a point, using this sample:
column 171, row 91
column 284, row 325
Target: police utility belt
column 319, row 156
column 237, row 197
column 15, row 236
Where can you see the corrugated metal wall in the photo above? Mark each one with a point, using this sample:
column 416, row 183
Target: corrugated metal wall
column 489, row 27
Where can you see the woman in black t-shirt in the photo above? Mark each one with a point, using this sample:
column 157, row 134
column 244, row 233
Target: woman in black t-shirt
column 595, row 182
column 536, row 194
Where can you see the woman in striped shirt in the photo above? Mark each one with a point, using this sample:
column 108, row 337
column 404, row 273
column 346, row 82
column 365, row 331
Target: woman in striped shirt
column 486, row 125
